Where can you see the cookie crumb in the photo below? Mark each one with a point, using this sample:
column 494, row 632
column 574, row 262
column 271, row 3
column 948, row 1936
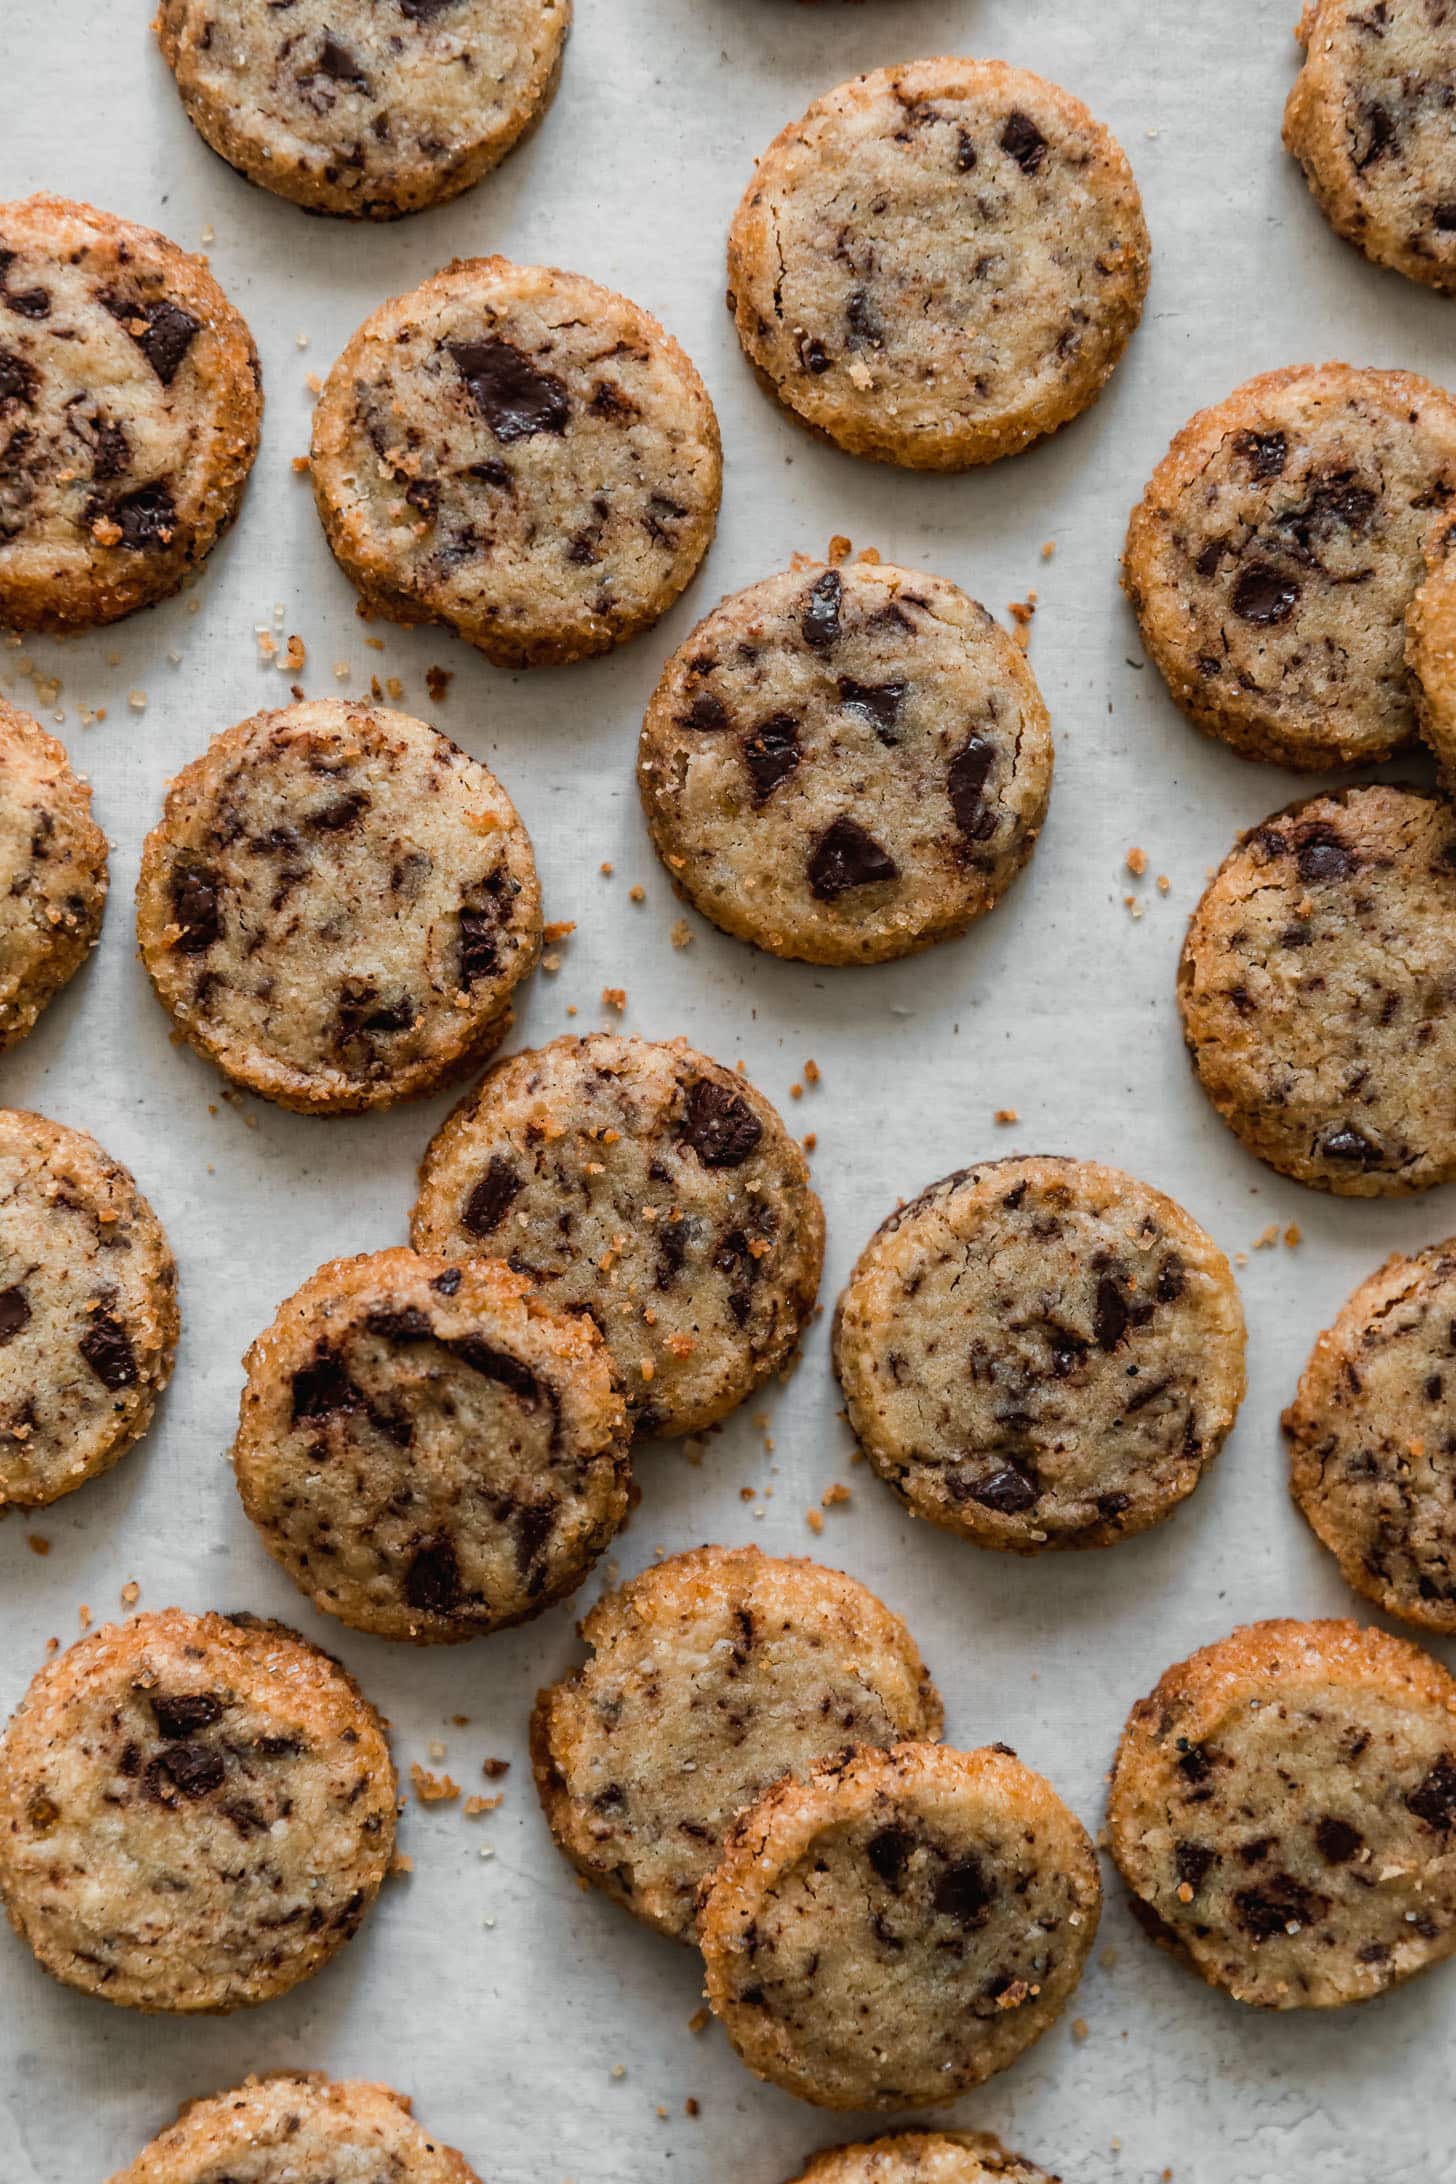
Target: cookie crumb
column 1137, row 862
column 475, row 1806
column 1293, row 1236
column 637, row 892
column 1049, row 547
column 1007, row 1115
column 681, row 935
column 437, row 683
column 37, row 1543
column 700, row 2021
column 495, row 1769
column 131, row 1593
column 432, row 1789
column 835, row 1496
column 401, row 1863
column 814, row 1519
column 558, row 930
column 1023, row 614
column 1163, row 883
column 614, row 997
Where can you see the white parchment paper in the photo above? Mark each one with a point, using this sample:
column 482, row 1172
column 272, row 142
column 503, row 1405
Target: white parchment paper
column 538, row 2027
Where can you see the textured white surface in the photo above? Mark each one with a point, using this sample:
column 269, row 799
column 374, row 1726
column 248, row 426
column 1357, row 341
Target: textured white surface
column 497, row 1994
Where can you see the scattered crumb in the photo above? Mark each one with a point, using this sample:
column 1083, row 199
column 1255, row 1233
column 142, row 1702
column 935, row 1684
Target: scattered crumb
column 84, row 1614
column 1137, row 862
column 1022, row 613
column 1007, row 1115
column 814, row 1520
column 432, row 1789
column 302, row 465
column 1133, row 907
column 700, row 2021
column 1079, row 2028
column 691, row 2107
column 494, row 1769
column 37, row 1543
column 558, row 930
column 796, row 1091
column 811, row 1071
column 614, row 997
column 638, row 893
column 1241, row 1258
column 681, row 935
column 605, row 870
column 137, row 700
column 131, row 1593
column 1267, row 1237
column 294, row 656
column 437, row 683
column 835, row 1496
column 839, row 549
column 1048, row 549
column 401, row 1863
column 1293, row 1236
column 475, row 1806
column 1164, row 883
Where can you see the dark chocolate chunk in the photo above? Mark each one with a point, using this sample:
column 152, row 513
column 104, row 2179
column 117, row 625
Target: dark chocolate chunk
column 720, row 1126
column 1008, row 1487
column 878, row 704
column 515, row 399
column 498, row 1365
column 166, row 333
column 1114, row 1311
column 820, row 620
column 1021, row 137
column 424, row 11
column 106, row 1347
column 479, row 946
column 889, row 1854
column 1434, row 1799
column 1194, row 1763
column 1323, row 855
column 1337, row 1841
column 448, row 1283
column 1379, row 134
column 490, row 1196
column 845, row 856
column 186, row 1712
column 432, row 1582
column 14, row 1314
column 970, row 770
column 1279, row 1903
column 340, row 813
column 323, row 1389
column 145, row 518
column 406, row 1323
column 707, row 713
column 771, row 753
column 965, row 152
column 1264, row 596
column 866, row 331
column 1266, row 453
column 534, row 1526
column 17, row 380
column 111, row 457
column 192, row 1771
column 337, row 62
column 1193, row 1862
column 1351, row 1145
column 965, row 1892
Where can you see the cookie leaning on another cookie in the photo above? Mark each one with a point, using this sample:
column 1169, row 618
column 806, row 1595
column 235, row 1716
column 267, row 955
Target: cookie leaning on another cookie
column 899, row 1927
column 1275, row 554
column 1372, row 1449
column 1283, row 1808
column 1041, row 1353
column 1318, row 991
column 319, row 2131
column 337, row 905
column 939, row 263
column 196, row 1812
column 1430, row 648
column 346, row 107
column 650, row 1187
column 521, row 455
column 844, row 764
column 53, row 872
column 427, row 1449
column 920, row 2157
column 1369, row 120
column 130, row 408
column 713, row 1675
column 88, row 1310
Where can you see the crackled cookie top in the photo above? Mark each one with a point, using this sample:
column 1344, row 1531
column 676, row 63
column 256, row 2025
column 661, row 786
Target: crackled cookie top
column 1430, row 644
column 358, row 107
column 296, row 2127
column 894, row 1930
column 521, row 455
column 53, row 872
column 1284, row 1809
column 713, row 1675
column 921, row 2157
column 1370, row 121
column 642, row 1183
column 1276, row 551
column 196, row 1812
column 1373, row 1446
column 337, row 906
column 845, row 764
column 1041, row 1353
column 130, row 407
column 940, row 262
column 1318, row 991
column 88, row 1309
column 428, row 1451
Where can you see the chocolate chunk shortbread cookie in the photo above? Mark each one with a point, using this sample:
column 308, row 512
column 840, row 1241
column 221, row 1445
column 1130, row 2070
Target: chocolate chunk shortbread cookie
column 53, row 872
column 920, row 2157
column 1430, row 648
column 296, row 2127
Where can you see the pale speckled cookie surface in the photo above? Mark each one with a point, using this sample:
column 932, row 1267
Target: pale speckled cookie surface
column 196, row 1812
column 899, row 1927
column 337, row 906
column 130, row 407
column 53, row 872
column 1370, row 120
column 939, row 263
column 649, row 1186
column 922, row 2157
column 712, row 1676
column 369, row 108
column 428, row 1451
column 521, row 455
column 1430, row 647
column 1275, row 553
column 1284, row 1809
column 1372, row 1440
column 845, row 764
column 296, row 2127
column 1041, row 1353
column 88, row 1309
column 1318, row 991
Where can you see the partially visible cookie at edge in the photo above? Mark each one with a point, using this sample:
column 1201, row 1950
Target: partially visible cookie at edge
column 1274, row 556
column 130, row 408
column 349, row 108
column 917, row 2157
column 88, row 1309
column 521, row 455
column 1369, row 120
column 1430, row 647
column 641, row 1182
column 712, row 1676
column 53, row 872
column 846, row 763
column 337, row 905
column 310, row 2123
column 967, row 291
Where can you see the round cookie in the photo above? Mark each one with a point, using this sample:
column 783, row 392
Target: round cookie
column 845, row 764
column 348, row 107
column 1430, row 648
column 53, row 872
column 1276, row 551
column 899, row 1927
column 713, row 1675
column 1283, row 1808
column 337, row 906
column 88, row 1310
column 639, row 1182
column 940, row 263
column 427, row 1450
column 196, row 1812
column 1318, row 991
column 521, row 455
column 297, row 2127
column 1041, row 1353
column 916, row 2157
column 1373, row 1450
column 1369, row 120
column 130, row 407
